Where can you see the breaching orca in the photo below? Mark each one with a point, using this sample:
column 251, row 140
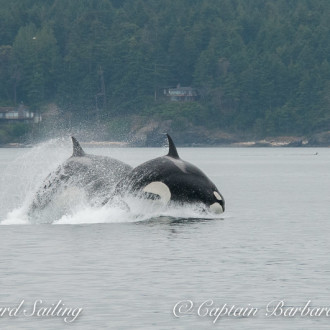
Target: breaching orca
column 91, row 177
column 171, row 179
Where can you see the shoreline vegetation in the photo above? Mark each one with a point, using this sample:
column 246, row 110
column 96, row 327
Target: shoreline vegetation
column 255, row 70
column 143, row 131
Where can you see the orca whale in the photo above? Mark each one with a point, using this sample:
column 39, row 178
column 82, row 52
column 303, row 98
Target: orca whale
column 83, row 176
column 170, row 179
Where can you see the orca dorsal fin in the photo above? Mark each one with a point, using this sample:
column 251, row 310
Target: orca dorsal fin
column 77, row 149
column 172, row 152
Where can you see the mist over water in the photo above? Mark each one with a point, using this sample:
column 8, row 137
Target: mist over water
column 23, row 172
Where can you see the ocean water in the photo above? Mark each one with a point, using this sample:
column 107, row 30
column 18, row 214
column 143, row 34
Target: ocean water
column 265, row 257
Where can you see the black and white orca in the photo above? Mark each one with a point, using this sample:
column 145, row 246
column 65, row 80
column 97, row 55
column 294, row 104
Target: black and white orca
column 170, row 179
column 90, row 177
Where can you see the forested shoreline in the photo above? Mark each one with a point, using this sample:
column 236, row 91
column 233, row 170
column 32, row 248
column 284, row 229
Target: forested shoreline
column 262, row 67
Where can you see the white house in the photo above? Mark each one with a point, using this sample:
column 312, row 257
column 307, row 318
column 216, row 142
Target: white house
column 20, row 113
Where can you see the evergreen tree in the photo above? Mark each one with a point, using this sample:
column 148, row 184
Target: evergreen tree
column 260, row 65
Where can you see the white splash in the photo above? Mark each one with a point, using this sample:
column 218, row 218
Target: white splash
column 94, row 215
column 23, row 175
column 16, row 217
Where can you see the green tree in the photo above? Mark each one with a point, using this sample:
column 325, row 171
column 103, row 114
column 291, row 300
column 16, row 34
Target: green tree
column 36, row 57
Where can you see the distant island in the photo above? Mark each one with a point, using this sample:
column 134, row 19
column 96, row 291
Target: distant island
column 215, row 72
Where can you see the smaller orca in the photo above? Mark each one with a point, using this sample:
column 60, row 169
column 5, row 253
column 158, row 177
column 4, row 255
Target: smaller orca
column 171, row 179
column 91, row 177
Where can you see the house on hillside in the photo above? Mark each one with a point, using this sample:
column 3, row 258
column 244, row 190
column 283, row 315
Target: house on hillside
column 20, row 113
column 181, row 94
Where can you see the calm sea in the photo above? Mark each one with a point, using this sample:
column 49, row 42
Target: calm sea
column 270, row 248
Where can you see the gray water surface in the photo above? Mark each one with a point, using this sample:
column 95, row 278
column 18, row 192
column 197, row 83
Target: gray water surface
column 271, row 244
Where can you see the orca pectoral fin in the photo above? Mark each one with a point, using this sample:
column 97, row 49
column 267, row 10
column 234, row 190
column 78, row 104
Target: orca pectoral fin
column 149, row 195
column 116, row 202
column 157, row 191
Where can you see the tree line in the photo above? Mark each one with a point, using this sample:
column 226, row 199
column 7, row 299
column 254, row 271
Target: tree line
column 260, row 66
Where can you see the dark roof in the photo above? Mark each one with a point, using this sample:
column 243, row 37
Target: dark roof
column 183, row 88
column 6, row 109
column 19, row 108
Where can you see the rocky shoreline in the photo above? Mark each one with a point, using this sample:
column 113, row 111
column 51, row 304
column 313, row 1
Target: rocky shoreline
column 150, row 133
